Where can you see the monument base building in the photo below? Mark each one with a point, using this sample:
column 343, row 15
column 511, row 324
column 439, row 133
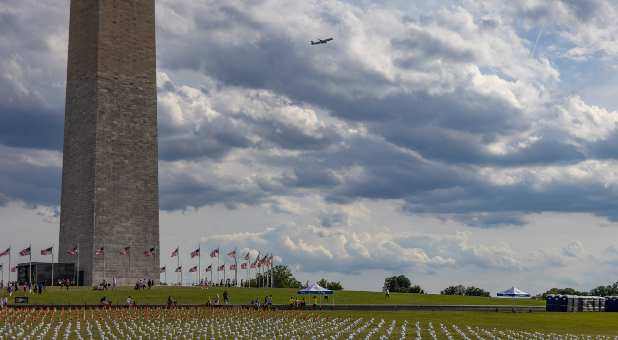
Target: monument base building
column 110, row 201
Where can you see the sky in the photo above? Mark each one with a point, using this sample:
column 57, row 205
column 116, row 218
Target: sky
column 455, row 142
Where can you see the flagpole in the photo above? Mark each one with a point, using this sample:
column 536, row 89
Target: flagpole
column 218, row 261
column 10, row 268
column 77, row 274
column 199, row 264
column 235, row 268
column 104, row 268
column 30, row 265
column 178, row 260
column 52, row 256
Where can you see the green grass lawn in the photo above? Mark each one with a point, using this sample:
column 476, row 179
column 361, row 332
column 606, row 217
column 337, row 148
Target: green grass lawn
column 561, row 323
column 186, row 295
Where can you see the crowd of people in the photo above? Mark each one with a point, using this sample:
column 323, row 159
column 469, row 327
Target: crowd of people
column 143, row 284
column 14, row 286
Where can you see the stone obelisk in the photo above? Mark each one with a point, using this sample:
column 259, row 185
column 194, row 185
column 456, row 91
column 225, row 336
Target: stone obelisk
column 110, row 174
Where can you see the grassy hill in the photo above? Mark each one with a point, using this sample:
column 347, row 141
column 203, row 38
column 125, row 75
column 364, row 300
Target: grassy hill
column 192, row 295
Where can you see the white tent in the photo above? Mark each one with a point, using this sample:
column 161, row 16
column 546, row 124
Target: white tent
column 513, row 292
column 315, row 289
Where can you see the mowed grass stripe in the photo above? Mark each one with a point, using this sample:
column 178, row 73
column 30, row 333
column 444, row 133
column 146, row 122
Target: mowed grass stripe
column 194, row 295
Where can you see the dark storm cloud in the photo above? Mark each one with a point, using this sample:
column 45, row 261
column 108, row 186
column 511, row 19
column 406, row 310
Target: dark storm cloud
column 404, row 130
column 179, row 192
column 22, row 180
column 27, row 127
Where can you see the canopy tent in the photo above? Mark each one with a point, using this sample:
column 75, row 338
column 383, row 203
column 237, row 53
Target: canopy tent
column 315, row 289
column 513, row 292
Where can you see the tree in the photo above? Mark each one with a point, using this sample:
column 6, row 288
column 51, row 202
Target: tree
column 474, row 291
column 454, row 290
column 401, row 284
column 462, row 290
column 282, row 278
column 564, row 291
column 332, row 285
column 610, row 290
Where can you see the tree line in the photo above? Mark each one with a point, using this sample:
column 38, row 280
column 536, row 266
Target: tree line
column 609, row 290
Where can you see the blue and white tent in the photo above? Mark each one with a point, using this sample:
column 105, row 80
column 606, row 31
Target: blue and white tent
column 315, row 289
column 514, row 292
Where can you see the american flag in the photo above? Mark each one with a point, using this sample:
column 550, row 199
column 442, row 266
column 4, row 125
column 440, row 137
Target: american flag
column 195, row 253
column 247, row 256
column 209, row 268
column 162, row 270
column 243, row 266
column 214, row 253
column 72, row 251
column 232, row 267
column 149, row 252
column 193, row 269
column 125, row 251
column 99, row 251
column 175, row 253
column 6, row 252
column 253, row 265
column 47, row 251
column 25, row 252
column 232, row 254
column 221, row 268
column 178, row 269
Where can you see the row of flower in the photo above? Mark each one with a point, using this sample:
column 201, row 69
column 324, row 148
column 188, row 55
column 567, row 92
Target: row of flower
column 238, row 324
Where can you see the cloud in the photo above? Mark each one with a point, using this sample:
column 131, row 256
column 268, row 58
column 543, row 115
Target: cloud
column 30, row 176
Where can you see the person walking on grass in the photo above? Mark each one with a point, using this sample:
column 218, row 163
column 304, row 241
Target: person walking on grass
column 387, row 294
column 226, row 297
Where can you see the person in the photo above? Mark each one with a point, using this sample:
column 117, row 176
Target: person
column 269, row 301
column 387, row 293
column 170, row 302
column 130, row 301
column 105, row 301
column 292, row 301
column 226, row 297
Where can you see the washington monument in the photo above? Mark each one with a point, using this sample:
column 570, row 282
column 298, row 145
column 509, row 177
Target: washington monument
column 110, row 200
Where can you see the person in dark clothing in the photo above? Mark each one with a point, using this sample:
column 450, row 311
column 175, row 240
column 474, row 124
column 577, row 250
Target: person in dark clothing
column 226, row 297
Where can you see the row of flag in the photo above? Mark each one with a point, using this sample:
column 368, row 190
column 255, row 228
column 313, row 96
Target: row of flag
column 221, row 268
column 74, row 251
column 259, row 262
column 214, row 253
column 26, row 251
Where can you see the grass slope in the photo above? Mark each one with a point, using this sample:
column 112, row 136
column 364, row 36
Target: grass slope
column 158, row 295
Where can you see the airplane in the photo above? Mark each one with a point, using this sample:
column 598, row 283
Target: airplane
column 321, row 41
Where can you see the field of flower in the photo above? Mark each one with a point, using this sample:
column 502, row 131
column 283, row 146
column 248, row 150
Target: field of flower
column 158, row 323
